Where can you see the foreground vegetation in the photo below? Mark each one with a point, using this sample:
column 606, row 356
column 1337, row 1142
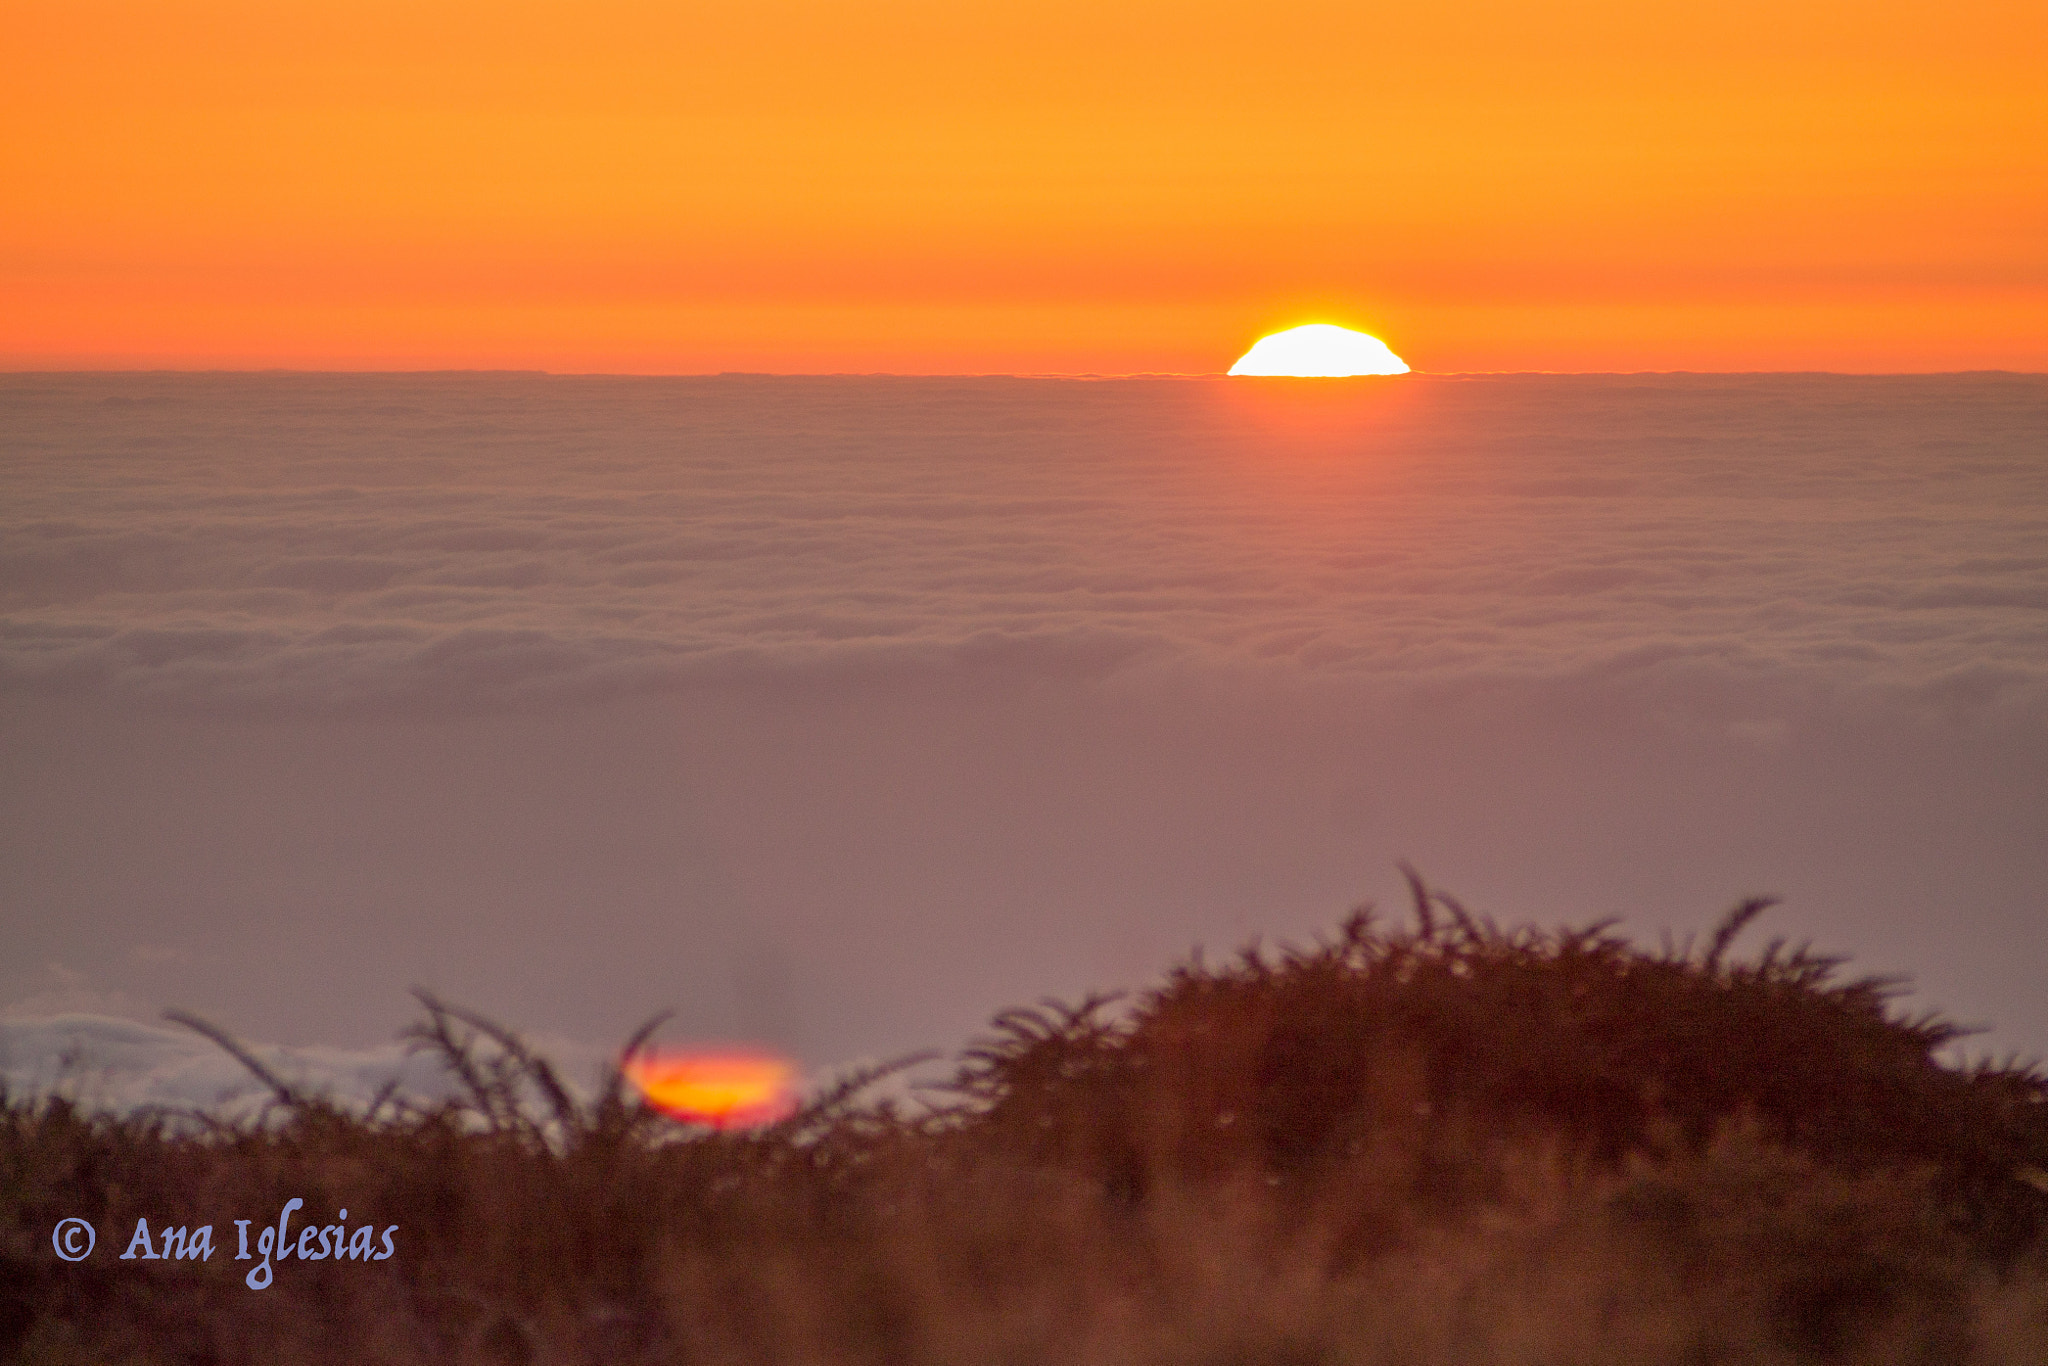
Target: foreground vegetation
column 1449, row 1143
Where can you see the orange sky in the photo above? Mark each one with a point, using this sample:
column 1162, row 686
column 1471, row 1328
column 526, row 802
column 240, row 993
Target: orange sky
column 1061, row 186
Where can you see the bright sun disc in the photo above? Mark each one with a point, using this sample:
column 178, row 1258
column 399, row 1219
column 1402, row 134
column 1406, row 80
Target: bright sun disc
column 1319, row 351
column 722, row 1090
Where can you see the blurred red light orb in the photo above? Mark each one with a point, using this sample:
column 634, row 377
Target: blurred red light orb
column 723, row 1090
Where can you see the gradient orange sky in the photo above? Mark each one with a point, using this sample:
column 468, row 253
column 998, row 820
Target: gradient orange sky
column 1065, row 186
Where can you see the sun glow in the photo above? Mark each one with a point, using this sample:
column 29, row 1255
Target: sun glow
column 1319, row 350
column 722, row 1090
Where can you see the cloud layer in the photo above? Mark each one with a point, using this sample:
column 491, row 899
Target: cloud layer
column 348, row 543
column 107, row 1063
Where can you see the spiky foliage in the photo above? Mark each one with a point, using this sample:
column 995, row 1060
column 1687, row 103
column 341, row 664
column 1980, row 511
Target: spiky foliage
column 1446, row 1143
column 1282, row 1061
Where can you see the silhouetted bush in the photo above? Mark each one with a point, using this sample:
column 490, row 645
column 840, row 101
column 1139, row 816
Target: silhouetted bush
column 1304, row 1058
column 1449, row 1143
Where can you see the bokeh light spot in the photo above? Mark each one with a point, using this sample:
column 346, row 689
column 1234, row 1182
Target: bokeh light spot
column 724, row 1090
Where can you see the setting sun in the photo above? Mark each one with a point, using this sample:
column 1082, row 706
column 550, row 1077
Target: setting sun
column 1319, row 351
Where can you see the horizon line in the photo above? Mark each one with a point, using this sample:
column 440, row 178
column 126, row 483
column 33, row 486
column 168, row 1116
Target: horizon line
column 425, row 371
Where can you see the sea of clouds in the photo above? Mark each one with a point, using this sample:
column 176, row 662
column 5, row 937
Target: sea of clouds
column 100, row 1062
column 950, row 640
column 352, row 542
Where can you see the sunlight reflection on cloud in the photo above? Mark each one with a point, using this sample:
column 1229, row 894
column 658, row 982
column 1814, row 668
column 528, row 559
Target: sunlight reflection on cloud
column 340, row 553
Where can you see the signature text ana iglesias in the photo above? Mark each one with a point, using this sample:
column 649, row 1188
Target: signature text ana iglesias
column 309, row 1243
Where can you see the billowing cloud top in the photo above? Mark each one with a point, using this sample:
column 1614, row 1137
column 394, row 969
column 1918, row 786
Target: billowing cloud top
column 101, row 1062
column 429, row 542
